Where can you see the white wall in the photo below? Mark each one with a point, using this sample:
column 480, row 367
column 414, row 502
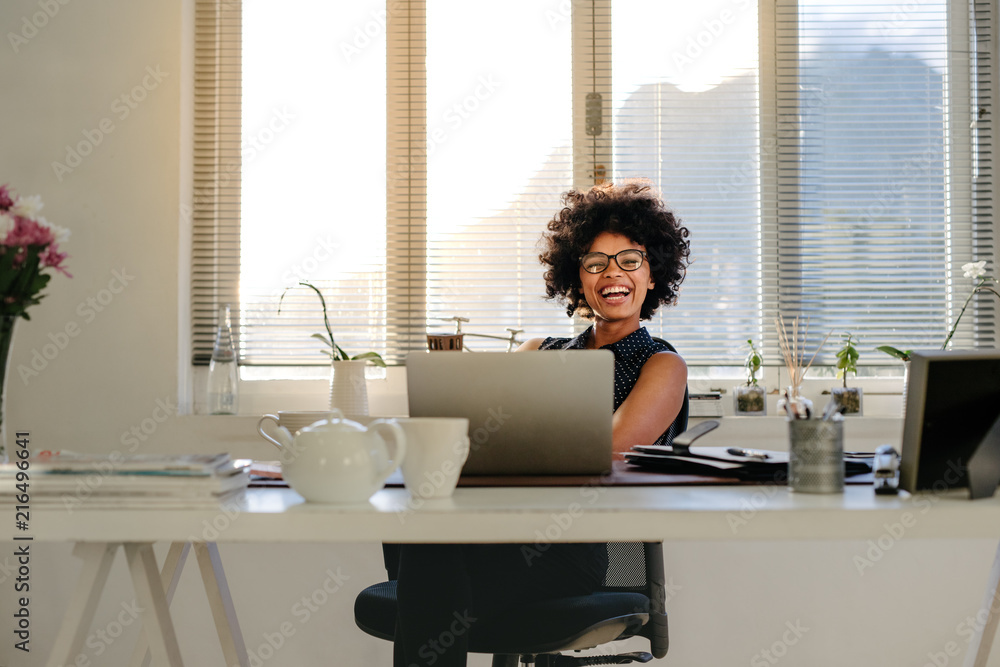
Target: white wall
column 122, row 204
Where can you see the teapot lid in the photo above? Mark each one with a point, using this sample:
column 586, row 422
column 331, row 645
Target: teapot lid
column 334, row 422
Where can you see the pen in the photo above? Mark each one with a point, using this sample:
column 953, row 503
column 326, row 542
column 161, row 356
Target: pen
column 748, row 453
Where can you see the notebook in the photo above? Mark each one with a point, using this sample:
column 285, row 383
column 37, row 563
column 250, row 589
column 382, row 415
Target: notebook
column 546, row 412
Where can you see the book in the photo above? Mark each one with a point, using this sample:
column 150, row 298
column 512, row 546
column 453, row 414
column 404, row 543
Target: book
column 117, row 463
column 147, row 480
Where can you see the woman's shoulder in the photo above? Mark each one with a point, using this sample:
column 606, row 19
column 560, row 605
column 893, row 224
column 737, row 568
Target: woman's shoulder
column 532, row 344
column 665, row 363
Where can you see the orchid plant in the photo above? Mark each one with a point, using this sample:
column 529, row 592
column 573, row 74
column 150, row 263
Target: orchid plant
column 335, row 352
column 983, row 283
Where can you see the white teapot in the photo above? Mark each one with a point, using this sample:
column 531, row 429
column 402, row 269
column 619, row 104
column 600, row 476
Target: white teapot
column 336, row 460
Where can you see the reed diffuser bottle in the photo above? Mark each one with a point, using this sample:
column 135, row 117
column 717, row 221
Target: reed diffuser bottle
column 223, row 375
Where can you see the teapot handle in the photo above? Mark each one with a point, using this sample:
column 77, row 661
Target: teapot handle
column 399, row 446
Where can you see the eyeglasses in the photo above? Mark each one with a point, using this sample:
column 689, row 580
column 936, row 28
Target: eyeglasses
column 628, row 260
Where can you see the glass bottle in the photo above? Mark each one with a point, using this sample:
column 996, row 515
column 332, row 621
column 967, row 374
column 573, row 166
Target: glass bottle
column 223, row 376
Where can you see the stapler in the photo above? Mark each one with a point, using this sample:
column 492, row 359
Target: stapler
column 886, row 468
column 682, row 443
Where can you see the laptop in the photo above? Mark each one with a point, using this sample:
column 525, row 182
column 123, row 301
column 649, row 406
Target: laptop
column 531, row 413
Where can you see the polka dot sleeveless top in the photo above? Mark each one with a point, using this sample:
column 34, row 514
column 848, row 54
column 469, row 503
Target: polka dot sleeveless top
column 631, row 354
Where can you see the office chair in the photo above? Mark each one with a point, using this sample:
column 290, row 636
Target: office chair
column 630, row 603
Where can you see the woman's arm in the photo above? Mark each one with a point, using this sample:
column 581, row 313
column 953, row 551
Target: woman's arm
column 653, row 403
column 532, row 344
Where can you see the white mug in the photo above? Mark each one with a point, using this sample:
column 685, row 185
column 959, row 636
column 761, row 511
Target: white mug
column 292, row 420
column 435, row 453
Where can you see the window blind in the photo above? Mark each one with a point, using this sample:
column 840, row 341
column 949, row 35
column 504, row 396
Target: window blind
column 832, row 161
column 877, row 172
column 687, row 115
column 215, row 207
column 314, row 201
column 500, row 154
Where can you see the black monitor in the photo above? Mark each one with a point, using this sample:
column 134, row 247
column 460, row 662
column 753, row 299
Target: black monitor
column 951, row 431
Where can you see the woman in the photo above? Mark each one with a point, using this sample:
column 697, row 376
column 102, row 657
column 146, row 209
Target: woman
column 614, row 255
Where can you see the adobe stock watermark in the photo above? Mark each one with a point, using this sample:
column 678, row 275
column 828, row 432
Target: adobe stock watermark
column 31, row 26
column 436, row 479
column 749, row 506
column 254, row 144
column 901, row 17
column 7, row 569
column 257, row 141
column 101, row 639
column 461, row 111
column 896, row 531
column 122, row 107
column 967, row 628
column 561, row 523
column 303, row 611
column 745, row 175
column 434, row 649
column 707, row 34
column 559, row 16
column 223, row 520
column 87, row 484
column 779, row 649
column 368, row 33
column 914, row 168
column 397, row 174
column 324, row 249
column 87, row 310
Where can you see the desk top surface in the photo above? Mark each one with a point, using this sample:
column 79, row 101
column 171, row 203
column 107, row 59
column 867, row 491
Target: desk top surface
column 539, row 514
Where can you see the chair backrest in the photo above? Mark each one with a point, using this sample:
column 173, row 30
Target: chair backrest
column 626, row 567
column 637, row 567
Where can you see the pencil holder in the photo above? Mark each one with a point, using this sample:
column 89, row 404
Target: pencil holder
column 816, row 456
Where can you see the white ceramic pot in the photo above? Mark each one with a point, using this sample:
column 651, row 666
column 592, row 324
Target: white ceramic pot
column 340, row 461
column 348, row 387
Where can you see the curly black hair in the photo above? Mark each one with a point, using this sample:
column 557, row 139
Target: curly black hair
column 633, row 210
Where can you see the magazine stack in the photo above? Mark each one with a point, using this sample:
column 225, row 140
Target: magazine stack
column 79, row 481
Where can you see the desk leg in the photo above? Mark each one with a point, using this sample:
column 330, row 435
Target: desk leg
column 217, row 589
column 169, row 576
column 979, row 648
column 158, row 626
column 97, row 558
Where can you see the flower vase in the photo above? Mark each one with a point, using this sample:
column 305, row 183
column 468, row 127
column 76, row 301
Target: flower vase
column 348, row 389
column 6, row 337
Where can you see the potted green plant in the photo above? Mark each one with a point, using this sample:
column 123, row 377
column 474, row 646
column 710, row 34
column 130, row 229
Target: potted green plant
column 348, row 389
column 848, row 398
column 751, row 398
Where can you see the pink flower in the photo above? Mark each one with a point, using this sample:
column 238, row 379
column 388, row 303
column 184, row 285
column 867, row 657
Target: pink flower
column 53, row 258
column 6, row 200
column 28, row 232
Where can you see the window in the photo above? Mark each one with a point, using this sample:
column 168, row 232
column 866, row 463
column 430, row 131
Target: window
column 831, row 160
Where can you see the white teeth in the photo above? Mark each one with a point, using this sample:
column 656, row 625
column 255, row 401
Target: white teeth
column 615, row 289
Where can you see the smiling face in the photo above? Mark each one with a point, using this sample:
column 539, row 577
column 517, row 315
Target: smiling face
column 615, row 294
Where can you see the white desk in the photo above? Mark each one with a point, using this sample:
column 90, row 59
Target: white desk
column 589, row 513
